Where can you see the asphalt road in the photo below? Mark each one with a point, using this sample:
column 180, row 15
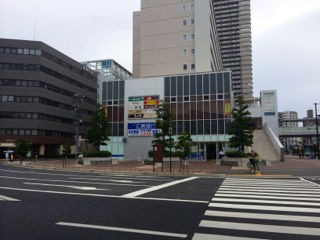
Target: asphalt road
column 38, row 204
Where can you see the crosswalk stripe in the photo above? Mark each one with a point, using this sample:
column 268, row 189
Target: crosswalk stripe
column 263, row 207
column 4, row 198
column 266, row 197
column 221, row 199
column 261, row 227
column 266, row 190
column 272, row 188
column 272, row 185
column 270, row 193
column 202, row 236
column 262, row 216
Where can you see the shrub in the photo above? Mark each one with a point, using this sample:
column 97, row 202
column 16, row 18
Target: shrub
column 97, row 154
column 236, row 154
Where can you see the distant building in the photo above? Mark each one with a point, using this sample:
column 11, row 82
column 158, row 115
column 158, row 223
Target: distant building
column 111, row 86
column 181, row 37
column 38, row 96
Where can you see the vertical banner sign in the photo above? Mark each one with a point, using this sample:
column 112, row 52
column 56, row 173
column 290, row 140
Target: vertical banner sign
column 227, row 108
column 143, row 107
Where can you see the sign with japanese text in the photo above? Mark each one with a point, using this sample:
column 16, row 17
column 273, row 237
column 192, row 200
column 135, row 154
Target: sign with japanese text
column 144, row 129
column 143, row 107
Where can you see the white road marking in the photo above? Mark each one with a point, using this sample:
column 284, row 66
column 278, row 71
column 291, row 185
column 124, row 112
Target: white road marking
column 261, row 227
column 5, row 198
column 118, row 229
column 68, row 181
column 263, row 207
column 266, row 190
column 154, row 188
column 271, row 193
column 271, row 188
column 221, row 199
column 102, row 195
column 67, row 186
column 313, row 183
column 262, row 216
column 101, row 179
column 263, row 196
column 203, row 236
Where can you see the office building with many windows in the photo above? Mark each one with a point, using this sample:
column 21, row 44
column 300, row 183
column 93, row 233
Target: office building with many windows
column 190, row 36
column 44, row 94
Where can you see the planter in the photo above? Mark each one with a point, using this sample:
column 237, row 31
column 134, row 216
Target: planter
column 97, row 160
column 240, row 162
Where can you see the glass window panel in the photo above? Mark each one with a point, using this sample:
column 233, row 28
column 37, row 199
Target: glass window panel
column 121, row 86
column 226, row 82
column 213, row 109
column 121, row 129
column 115, row 114
column 193, row 127
column 186, row 128
column 200, row 127
column 173, row 86
column 104, row 91
column 221, row 126
column 115, row 90
column 220, row 109
column 213, row 89
column 186, row 111
column 179, row 127
column 193, row 110
column 206, row 84
column 199, row 84
column 207, row 127
column 186, row 88
column 199, row 110
column 213, row 126
column 220, row 83
column 26, row 51
column 192, row 85
column 180, row 86
column 109, row 90
column 180, row 111
column 227, row 125
column 173, row 111
column 206, row 110
column 167, row 86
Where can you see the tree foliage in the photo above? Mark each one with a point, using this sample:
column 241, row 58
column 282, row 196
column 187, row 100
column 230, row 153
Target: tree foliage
column 183, row 146
column 240, row 129
column 164, row 124
column 98, row 131
column 23, row 146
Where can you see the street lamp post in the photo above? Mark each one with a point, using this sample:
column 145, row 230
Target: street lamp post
column 78, row 98
column 170, row 146
column 317, row 130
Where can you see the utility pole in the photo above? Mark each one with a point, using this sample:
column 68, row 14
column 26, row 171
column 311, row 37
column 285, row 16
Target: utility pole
column 77, row 98
column 317, row 130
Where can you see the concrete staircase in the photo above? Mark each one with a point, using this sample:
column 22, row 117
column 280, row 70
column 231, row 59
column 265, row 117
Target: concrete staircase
column 263, row 146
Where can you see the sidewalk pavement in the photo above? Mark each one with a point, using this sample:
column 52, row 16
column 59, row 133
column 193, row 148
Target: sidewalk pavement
column 291, row 166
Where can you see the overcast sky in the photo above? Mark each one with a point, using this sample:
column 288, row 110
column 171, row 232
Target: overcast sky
column 285, row 36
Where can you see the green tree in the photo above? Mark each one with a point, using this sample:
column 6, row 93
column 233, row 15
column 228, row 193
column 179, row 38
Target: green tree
column 98, row 131
column 23, row 146
column 183, row 146
column 164, row 124
column 240, row 128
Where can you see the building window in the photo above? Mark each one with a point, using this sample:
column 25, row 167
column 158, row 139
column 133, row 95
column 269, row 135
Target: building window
column 184, row 22
column 184, row 8
column 192, row 21
column 193, row 66
column 185, row 67
column 184, row 52
column 184, row 37
column 192, row 51
column 192, row 36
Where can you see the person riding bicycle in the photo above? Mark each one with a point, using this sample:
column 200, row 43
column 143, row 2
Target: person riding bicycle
column 254, row 161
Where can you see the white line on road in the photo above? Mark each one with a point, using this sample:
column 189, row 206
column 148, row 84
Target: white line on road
column 262, row 216
column 234, row 195
column 271, row 188
column 222, row 199
column 271, row 193
column 265, row 190
column 5, row 198
column 102, row 195
column 261, row 227
column 118, row 229
column 203, row 236
column 154, row 188
column 262, row 207
column 67, row 186
column 107, row 180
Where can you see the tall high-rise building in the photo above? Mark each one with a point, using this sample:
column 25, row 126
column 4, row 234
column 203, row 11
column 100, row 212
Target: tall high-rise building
column 189, row 36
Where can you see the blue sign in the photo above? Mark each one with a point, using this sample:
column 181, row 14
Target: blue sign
column 142, row 129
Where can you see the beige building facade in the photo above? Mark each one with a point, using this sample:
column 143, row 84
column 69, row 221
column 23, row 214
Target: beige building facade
column 185, row 36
